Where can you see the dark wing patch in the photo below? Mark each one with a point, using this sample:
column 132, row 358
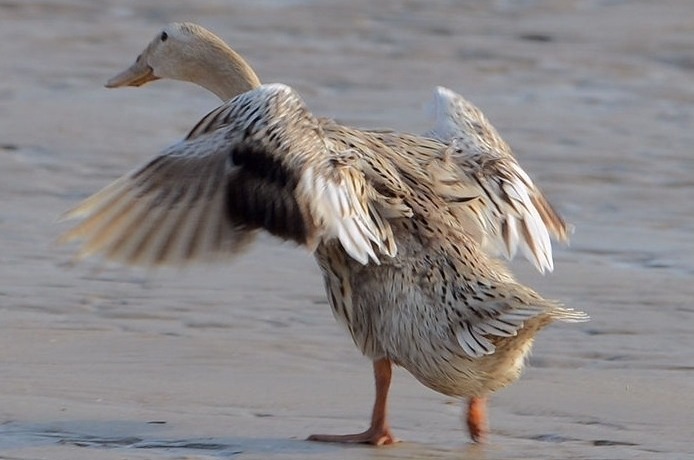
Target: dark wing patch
column 260, row 194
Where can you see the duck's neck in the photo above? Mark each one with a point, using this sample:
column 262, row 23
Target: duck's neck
column 223, row 71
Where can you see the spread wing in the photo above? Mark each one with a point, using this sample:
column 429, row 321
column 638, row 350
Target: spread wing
column 263, row 164
column 512, row 211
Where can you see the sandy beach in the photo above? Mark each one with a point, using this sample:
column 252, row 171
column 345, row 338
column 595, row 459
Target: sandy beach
column 244, row 360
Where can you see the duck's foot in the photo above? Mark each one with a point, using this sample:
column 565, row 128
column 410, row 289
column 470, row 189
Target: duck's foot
column 477, row 419
column 375, row 437
column 378, row 433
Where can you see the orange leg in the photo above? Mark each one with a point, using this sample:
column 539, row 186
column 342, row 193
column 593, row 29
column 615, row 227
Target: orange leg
column 379, row 433
column 477, row 419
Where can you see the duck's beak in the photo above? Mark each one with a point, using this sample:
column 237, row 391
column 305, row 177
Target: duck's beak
column 136, row 75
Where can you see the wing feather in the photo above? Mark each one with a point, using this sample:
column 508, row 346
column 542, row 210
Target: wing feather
column 259, row 161
column 504, row 317
column 512, row 212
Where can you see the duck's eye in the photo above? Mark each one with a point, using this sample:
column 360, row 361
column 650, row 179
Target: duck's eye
column 164, row 36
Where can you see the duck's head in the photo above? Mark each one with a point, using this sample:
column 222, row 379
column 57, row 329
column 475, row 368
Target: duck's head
column 189, row 52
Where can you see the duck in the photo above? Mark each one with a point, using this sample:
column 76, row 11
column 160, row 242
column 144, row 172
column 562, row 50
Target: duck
column 384, row 213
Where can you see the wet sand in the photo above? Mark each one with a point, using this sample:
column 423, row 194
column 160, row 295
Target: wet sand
column 245, row 360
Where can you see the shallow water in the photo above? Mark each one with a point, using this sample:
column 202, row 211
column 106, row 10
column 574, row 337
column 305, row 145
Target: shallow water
column 245, row 360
